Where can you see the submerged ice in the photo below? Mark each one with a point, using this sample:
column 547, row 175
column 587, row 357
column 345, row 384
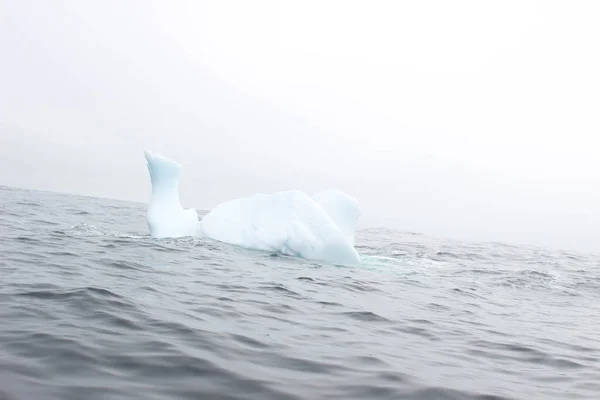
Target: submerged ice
column 320, row 227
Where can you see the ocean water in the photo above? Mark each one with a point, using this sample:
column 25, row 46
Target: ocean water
column 91, row 307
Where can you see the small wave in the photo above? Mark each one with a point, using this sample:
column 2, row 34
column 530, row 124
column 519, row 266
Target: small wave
column 65, row 294
column 531, row 279
column 84, row 229
column 439, row 393
column 330, row 303
column 82, row 213
column 308, row 365
column 44, row 222
column 248, row 341
column 368, row 316
column 29, row 204
column 28, row 239
column 123, row 264
column 277, row 287
column 519, row 352
column 417, row 331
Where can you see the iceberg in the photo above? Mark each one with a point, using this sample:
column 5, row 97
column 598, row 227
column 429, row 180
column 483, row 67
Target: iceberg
column 320, row 227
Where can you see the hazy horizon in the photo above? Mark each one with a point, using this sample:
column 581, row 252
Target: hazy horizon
column 467, row 120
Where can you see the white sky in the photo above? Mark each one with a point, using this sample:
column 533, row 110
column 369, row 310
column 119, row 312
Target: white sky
column 468, row 119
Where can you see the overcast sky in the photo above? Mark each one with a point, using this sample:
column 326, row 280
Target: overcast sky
column 468, row 119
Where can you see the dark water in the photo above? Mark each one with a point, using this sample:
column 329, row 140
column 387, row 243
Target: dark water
column 92, row 308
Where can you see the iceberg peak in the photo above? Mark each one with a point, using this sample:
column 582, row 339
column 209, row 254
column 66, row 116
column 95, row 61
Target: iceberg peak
column 165, row 216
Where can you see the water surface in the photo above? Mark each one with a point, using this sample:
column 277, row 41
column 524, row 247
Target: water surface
column 91, row 307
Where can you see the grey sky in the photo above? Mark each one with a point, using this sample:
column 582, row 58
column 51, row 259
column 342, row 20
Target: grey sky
column 475, row 120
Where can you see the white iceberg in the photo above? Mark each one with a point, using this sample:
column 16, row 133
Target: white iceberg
column 290, row 222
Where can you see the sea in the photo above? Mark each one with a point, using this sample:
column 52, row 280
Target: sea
column 92, row 307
